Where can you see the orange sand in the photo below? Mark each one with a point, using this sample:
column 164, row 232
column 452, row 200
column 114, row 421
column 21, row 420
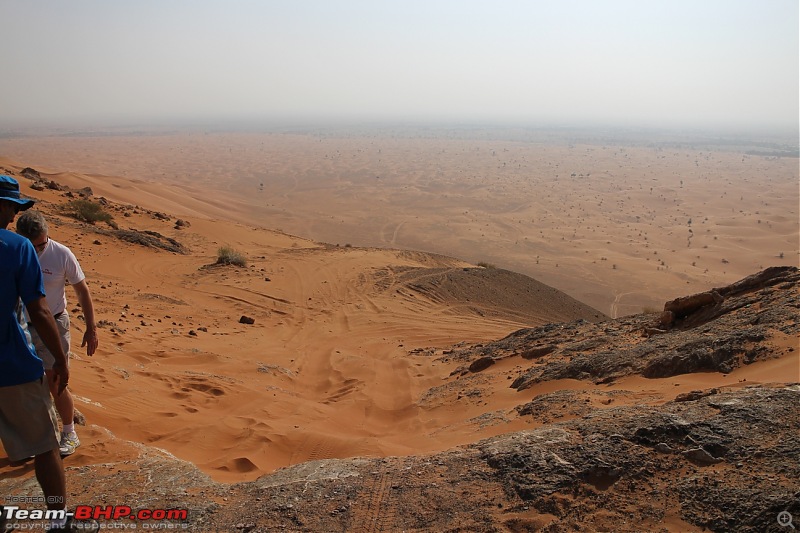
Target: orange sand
column 329, row 368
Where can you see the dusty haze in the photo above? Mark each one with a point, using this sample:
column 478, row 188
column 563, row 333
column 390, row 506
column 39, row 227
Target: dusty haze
column 618, row 224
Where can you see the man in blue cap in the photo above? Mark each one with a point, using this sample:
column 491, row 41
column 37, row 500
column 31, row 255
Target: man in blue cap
column 28, row 424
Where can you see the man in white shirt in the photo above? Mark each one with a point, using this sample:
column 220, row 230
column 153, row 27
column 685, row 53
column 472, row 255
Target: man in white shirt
column 27, row 418
column 59, row 268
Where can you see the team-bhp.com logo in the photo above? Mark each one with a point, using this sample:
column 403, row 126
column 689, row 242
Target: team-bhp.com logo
column 122, row 512
column 94, row 512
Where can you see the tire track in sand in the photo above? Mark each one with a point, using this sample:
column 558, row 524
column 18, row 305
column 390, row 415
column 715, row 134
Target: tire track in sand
column 376, row 510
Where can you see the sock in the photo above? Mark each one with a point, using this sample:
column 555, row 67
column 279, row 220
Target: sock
column 68, row 428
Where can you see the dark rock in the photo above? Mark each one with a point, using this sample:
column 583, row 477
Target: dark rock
column 79, row 418
column 663, row 447
column 701, row 457
column 481, row 364
column 31, row 174
column 682, row 307
column 151, row 239
column 695, row 395
column 247, row 320
column 538, row 351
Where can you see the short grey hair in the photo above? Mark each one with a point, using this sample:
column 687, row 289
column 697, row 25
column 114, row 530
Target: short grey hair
column 31, row 224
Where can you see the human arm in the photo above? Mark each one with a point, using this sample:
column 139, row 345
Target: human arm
column 85, row 299
column 42, row 319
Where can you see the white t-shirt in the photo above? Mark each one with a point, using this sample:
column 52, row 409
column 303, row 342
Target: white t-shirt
column 59, row 269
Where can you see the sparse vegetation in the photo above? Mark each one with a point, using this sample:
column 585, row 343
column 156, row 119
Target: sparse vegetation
column 228, row 256
column 87, row 211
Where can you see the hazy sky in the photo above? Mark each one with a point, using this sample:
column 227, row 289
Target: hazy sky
column 647, row 62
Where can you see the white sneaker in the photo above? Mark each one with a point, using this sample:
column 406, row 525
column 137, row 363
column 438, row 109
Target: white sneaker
column 69, row 441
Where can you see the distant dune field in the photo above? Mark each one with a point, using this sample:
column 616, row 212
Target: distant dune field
column 347, row 356
column 619, row 227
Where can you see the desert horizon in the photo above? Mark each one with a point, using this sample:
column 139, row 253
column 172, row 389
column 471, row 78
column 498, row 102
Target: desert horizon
column 615, row 218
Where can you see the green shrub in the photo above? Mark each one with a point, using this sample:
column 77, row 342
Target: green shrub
column 228, row 256
column 87, row 211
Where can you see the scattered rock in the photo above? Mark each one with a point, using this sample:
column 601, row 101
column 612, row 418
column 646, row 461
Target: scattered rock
column 695, row 395
column 79, row 418
column 247, row 320
column 701, row 457
column 538, row 351
column 151, row 239
column 663, row 447
column 31, row 174
column 481, row 364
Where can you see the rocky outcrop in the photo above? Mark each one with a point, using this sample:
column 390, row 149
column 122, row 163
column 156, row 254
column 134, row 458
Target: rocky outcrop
column 690, row 311
column 721, row 459
column 682, row 307
column 724, row 462
column 719, row 336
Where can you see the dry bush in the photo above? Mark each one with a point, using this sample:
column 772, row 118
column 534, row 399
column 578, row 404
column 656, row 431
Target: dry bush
column 87, row 211
column 228, row 256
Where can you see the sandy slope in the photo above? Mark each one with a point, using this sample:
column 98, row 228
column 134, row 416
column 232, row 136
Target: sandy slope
column 339, row 362
column 324, row 371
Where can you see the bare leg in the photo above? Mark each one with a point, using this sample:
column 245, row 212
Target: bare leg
column 50, row 475
column 64, row 403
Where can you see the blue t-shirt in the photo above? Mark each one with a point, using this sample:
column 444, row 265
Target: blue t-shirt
column 20, row 278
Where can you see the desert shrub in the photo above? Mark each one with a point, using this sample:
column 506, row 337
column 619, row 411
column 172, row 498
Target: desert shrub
column 228, row 256
column 87, row 211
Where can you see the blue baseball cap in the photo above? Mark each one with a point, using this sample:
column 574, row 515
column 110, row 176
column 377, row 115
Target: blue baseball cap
column 9, row 190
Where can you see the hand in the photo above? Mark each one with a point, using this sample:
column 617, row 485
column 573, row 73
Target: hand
column 61, row 376
column 90, row 341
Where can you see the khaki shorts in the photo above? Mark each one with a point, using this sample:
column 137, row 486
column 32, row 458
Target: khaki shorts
column 62, row 322
column 28, row 423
